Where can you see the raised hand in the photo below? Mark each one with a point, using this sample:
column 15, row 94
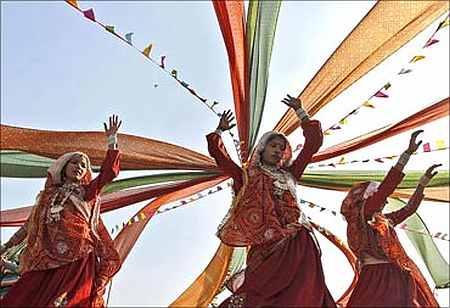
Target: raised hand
column 413, row 143
column 294, row 103
column 225, row 121
column 430, row 173
column 114, row 125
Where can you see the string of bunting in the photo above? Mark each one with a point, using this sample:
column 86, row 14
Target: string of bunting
column 440, row 145
column 183, row 202
column 146, row 52
column 382, row 92
column 438, row 235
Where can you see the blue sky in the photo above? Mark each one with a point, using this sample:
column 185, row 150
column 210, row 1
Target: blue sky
column 59, row 71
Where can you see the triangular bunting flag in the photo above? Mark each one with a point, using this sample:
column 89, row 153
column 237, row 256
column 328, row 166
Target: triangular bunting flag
column 416, row 58
column 341, row 161
column 148, row 50
column 390, row 157
column 387, row 86
column 89, row 14
column 426, row 147
column 163, row 58
column 174, row 73
column 430, row 42
column 335, row 127
column 443, row 23
column 365, row 160
column 381, row 94
column 368, row 104
column 129, row 38
column 142, row 216
column 73, row 3
column 379, row 160
column 109, row 28
column 354, row 111
column 440, row 144
column 404, row 71
column 184, row 84
column 343, row 121
column 327, row 132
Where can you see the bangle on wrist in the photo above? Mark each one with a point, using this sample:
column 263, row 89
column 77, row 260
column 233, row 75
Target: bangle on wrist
column 302, row 114
column 112, row 139
column 404, row 158
column 424, row 180
column 218, row 131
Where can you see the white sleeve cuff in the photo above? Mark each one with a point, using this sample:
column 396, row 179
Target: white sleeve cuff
column 112, row 140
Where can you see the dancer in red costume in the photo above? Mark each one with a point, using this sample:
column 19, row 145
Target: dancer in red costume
column 69, row 257
column 387, row 277
column 283, row 264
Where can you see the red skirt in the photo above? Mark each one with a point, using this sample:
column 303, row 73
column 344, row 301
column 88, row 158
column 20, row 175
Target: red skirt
column 291, row 276
column 70, row 285
column 386, row 285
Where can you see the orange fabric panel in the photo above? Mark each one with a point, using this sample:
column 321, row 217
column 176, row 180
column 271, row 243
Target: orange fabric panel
column 231, row 18
column 202, row 291
column 138, row 153
column 128, row 236
column 388, row 26
column 427, row 115
column 440, row 194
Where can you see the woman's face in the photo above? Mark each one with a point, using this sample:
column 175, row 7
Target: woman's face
column 76, row 169
column 273, row 152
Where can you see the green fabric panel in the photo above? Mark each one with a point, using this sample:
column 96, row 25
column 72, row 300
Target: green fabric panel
column 437, row 266
column 154, row 179
column 261, row 26
column 345, row 179
column 23, row 165
column 17, row 164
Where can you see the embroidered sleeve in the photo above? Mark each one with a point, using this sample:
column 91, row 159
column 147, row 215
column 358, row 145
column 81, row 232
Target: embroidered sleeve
column 217, row 150
column 313, row 141
column 406, row 211
column 387, row 187
column 109, row 170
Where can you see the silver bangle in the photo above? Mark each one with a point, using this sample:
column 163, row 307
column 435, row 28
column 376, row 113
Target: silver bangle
column 403, row 160
column 424, row 180
column 302, row 114
column 112, row 139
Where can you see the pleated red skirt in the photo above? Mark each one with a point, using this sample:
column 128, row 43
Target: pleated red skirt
column 291, row 276
column 70, row 285
column 386, row 285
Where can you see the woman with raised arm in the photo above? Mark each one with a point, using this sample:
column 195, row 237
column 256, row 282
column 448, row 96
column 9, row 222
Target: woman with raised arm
column 69, row 256
column 387, row 276
column 283, row 263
